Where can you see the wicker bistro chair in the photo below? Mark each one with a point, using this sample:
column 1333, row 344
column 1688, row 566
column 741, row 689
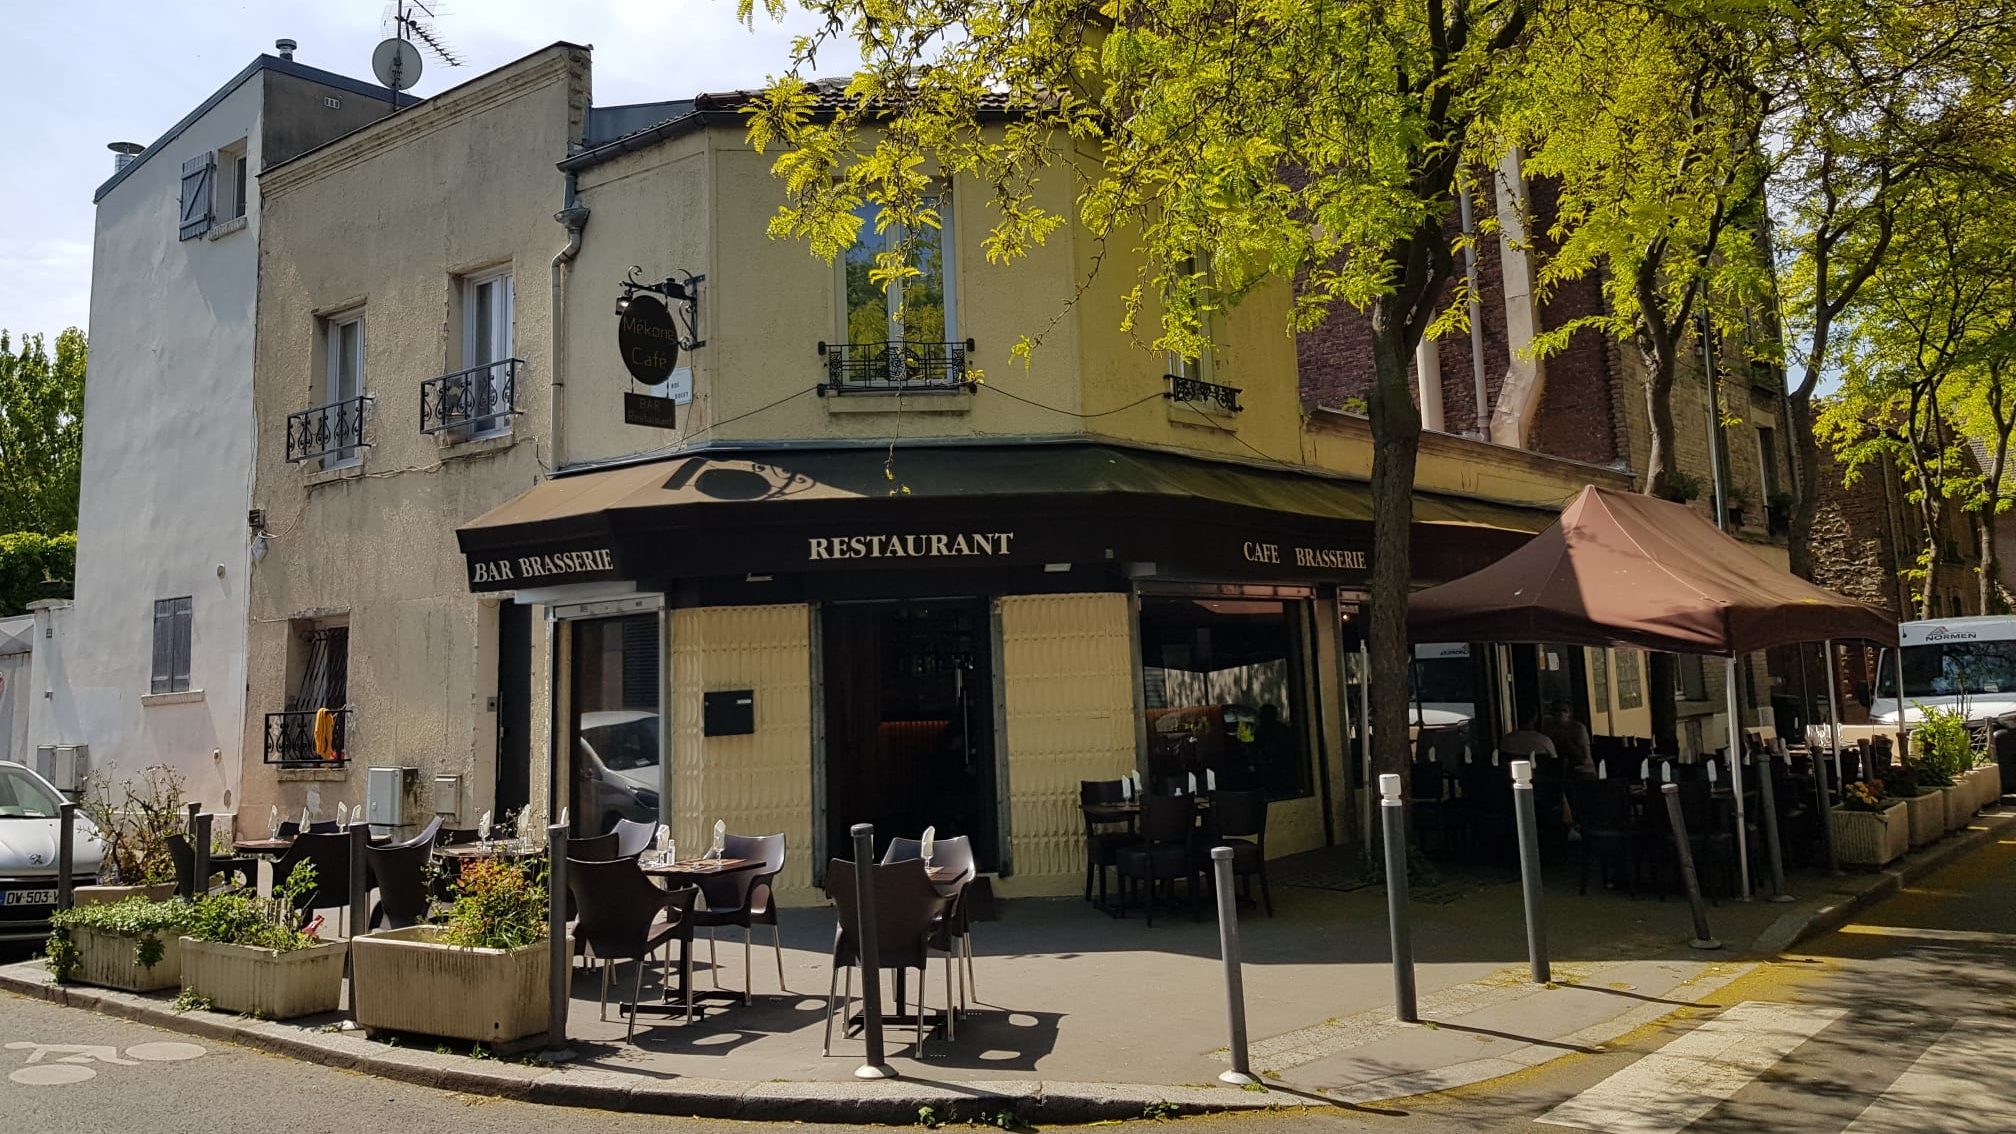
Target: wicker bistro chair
column 1239, row 820
column 1104, row 838
column 626, row 917
column 954, row 935
column 907, row 910
column 241, row 866
column 399, row 872
column 330, row 853
column 746, row 898
column 633, row 838
column 1168, row 832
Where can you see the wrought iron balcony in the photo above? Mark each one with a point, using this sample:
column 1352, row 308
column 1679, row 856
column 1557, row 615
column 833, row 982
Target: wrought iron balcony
column 290, row 739
column 863, row 368
column 334, row 429
column 481, row 398
column 1200, row 394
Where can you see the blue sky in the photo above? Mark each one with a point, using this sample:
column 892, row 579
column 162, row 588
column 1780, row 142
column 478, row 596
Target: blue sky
column 84, row 73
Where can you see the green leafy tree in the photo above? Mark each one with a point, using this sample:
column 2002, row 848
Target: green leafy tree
column 41, row 432
column 30, row 563
column 1270, row 139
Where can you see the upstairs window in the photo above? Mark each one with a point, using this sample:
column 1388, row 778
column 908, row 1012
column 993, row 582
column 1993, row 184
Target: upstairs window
column 233, row 175
column 171, row 645
column 924, row 309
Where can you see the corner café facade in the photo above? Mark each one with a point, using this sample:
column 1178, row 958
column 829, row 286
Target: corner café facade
column 954, row 635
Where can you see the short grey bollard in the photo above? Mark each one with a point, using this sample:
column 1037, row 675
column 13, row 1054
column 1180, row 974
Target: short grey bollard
column 1823, row 799
column 1222, row 882
column 189, row 826
column 199, row 847
column 1529, row 869
column 66, row 854
column 868, row 952
column 1393, row 820
column 1702, row 938
column 559, row 958
column 360, row 883
column 1767, row 798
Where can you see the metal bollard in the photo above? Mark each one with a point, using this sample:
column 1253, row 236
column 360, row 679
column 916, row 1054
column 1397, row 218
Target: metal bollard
column 359, row 912
column 66, row 854
column 199, row 847
column 559, row 958
column 1222, row 882
column 1702, row 938
column 1767, row 797
column 869, row 953
column 1393, row 820
column 1822, row 799
column 189, row 825
column 1529, row 869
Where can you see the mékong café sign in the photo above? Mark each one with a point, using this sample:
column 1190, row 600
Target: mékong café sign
column 649, row 338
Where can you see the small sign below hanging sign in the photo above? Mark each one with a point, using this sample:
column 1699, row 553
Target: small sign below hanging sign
column 649, row 409
column 648, row 339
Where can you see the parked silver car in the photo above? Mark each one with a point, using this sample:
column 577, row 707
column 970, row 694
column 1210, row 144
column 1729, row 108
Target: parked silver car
column 616, row 768
column 28, row 853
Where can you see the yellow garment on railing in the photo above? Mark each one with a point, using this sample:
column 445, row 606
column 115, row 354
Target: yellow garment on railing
column 325, row 734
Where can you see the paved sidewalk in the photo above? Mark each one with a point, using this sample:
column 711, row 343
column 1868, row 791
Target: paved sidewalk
column 1086, row 1017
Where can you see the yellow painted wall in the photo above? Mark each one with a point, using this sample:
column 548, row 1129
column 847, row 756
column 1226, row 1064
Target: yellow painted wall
column 760, row 783
column 1069, row 707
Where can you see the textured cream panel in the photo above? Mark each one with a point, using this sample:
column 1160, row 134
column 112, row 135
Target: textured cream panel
column 760, row 783
column 1068, row 674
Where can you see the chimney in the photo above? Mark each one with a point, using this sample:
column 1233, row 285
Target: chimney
column 123, row 154
column 286, row 48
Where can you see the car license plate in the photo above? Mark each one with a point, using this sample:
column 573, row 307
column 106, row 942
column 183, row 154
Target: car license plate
column 30, row 898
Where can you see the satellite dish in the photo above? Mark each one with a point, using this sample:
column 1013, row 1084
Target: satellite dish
column 396, row 63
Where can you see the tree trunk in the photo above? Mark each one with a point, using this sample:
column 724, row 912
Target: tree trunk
column 1659, row 418
column 1396, row 439
column 1799, row 534
column 1991, row 568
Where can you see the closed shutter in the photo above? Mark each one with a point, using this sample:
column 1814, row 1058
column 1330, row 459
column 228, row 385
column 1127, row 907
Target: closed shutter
column 640, row 662
column 164, row 633
column 196, row 174
column 178, row 667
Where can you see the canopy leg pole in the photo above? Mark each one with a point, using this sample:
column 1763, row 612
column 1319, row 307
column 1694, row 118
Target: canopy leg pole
column 1833, row 713
column 1736, row 776
column 1365, row 744
column 1903, row 744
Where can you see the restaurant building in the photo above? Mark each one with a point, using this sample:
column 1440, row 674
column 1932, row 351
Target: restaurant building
column 836, row 567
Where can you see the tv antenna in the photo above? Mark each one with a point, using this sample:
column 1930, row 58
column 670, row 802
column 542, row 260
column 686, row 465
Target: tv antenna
column 397, row 61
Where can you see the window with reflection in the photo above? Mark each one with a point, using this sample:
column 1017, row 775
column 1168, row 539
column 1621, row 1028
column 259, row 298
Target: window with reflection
column 1224, row 692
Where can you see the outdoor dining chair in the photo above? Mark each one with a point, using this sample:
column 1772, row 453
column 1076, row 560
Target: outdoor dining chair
column 954, row 935
column 399, row 872
column 624, row 916
column 330, row 853
column 1239, row 820
column 184, row 855
column 1168, row 826
column 744, row 898
column 324, row 827
column 907, row 908
column 1104, row 837
column 595, row 848
column 633, row 838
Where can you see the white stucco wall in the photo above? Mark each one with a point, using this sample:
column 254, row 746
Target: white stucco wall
column 167, row 473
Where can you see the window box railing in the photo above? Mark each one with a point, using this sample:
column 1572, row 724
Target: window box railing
column 862, row 368
column 1199, row 394
column 481, row 398
column 290, row 739
column 337, row 428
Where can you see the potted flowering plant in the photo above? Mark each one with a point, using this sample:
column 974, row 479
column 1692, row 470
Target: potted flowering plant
column 248, row 954
column 1869, row 829
column 133, row 944
column 480, row 976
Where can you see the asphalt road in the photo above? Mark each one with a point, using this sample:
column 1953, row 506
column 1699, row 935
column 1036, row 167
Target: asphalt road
column 1897, row 1023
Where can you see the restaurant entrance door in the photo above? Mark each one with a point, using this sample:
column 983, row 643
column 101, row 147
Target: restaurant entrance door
column 910, row 722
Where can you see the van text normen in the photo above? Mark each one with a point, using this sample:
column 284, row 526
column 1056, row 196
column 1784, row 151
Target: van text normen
column 916, row 545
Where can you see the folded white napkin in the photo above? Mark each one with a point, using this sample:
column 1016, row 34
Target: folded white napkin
column 1210, row 780
column 930, row 843
column 1191, row 779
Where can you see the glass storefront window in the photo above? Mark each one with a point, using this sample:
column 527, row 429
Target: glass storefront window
column 615, row 711
column 1224, row 689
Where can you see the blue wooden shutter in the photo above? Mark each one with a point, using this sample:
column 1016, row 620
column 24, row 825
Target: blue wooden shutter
column 178, row 665
column 164, row 634
column 196, row 194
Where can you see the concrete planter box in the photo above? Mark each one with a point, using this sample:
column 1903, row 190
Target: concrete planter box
column 1928, row 818
column 1871, row 838
column 1959, row 804
column 100, row 895
column 262, row 982
column 1987, row 786
column 108, row 960
column 404, row 980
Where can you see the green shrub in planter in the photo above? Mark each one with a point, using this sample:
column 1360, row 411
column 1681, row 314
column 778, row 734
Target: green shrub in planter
column 82, row 943
column 244, row 953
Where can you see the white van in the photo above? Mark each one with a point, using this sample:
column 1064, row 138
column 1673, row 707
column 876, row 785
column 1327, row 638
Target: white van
column 1442, row 683
column 1967, row 665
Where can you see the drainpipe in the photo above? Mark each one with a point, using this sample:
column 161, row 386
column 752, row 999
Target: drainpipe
column 1482, row 426
column 575, row 217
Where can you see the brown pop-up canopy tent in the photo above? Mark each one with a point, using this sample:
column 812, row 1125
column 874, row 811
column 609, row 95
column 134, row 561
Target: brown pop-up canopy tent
column 1619, row 569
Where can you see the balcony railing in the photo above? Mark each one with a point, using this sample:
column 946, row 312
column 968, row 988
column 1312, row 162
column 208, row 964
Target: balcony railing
column 861, row 368
column 335, row 429
column 481, row 398
column 290, row 739
column 1203, row 395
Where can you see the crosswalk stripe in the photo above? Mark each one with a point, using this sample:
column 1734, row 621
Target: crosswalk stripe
column 1961, row 936
column 1961, row 1084
column 1670, row 1088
